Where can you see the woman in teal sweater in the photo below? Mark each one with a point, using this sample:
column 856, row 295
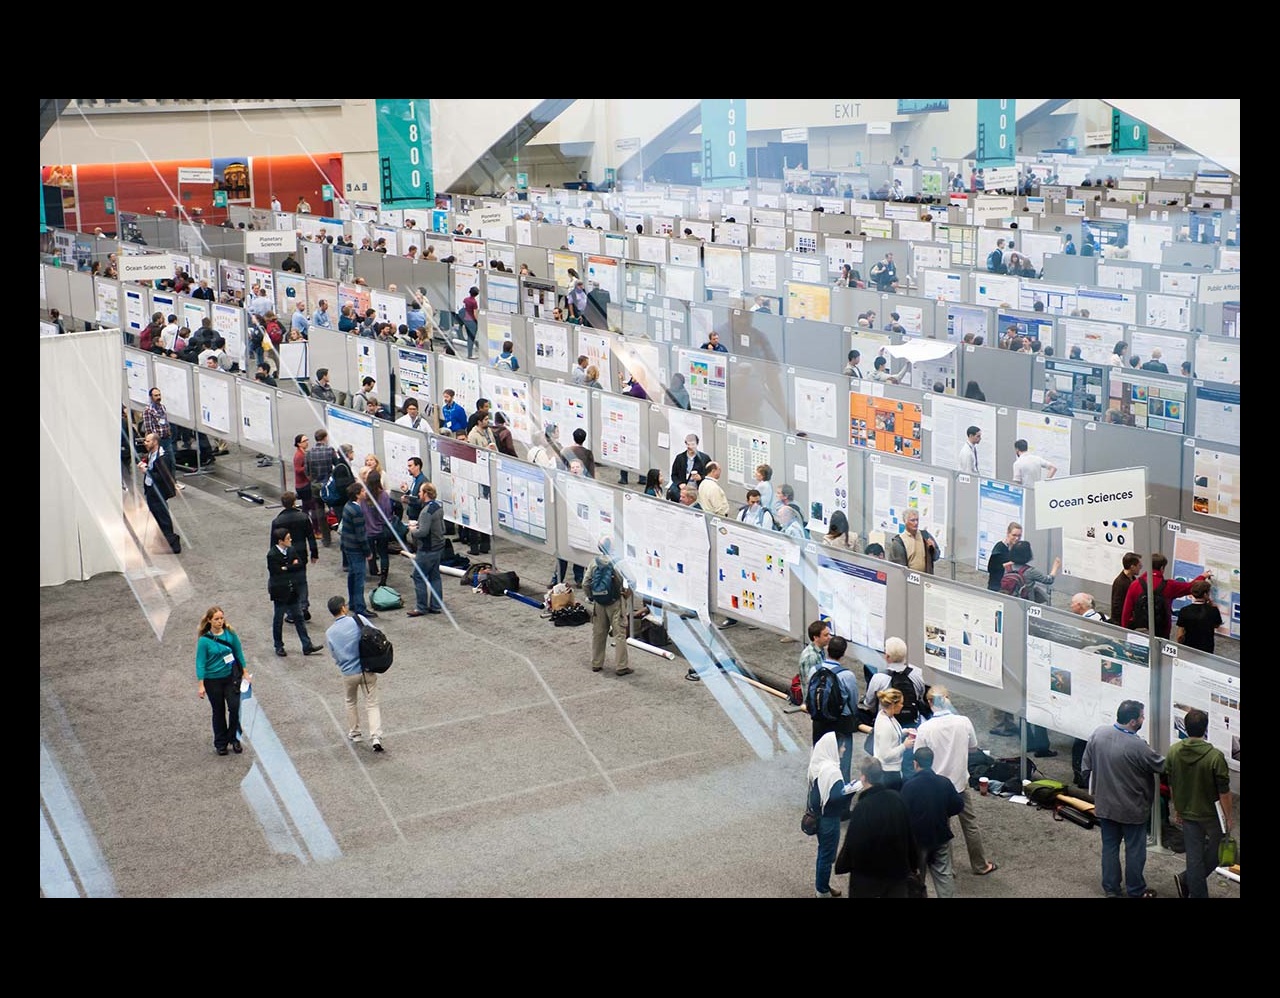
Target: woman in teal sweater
column 217, row 652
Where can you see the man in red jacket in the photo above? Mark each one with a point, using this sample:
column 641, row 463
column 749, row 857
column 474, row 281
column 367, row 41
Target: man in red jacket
column 1173, row 589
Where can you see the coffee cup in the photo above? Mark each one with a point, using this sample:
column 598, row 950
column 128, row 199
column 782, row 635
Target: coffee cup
column 983, row 785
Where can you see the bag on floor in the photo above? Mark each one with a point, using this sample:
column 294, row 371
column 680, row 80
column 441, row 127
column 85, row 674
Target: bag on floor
column 558, row 597
column 385, row 598
column 497, row 583
column 571, row 616
column 1065, row 812
column 654, row 632
column 1044, row 793
column 473, row 573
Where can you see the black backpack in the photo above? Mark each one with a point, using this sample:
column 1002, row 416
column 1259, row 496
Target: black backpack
column 376, row 652
column 909, row 715
column 1140, row 611
column 826, row 694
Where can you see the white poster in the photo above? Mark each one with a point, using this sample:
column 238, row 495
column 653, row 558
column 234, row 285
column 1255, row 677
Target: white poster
column 963, row 634
column 255, row 415
column 108, row 298
column 463, row 377
column 566, row 406
column 706, row 376
column 215, row 403
column 680, row 282
column 762, row 270
column 496, row 330
column 722, row 268
column 520, row 497
column 1095, row 551
column 749, row 448
column 346, row 426
column 1196, row 552
column 135, row 310
column 413, row 378
column 551, row 346
column 397, row 447
column 895, row 490
column 1218, row 695
column 828, row 485
column 175, row 389
column 951, row 419
column 666, row 551
column 999, row 504
column 588, row 511
column 1215, row 361
column 460, row 473
column 1216, row 484
column 596, row 349
column 852, row 600
column 1048, row 435
column 509, row 395
column 367, row 365
column 137, row 376
column 753, row 574
column 619, row 431
column 1077, row 675
column 816, row 405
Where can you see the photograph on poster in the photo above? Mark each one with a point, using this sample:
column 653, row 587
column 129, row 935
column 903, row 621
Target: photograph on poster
column 999, row 504
column 460, row 473
column 520, row 498
column 894, row 491
column 889, row 426
column 963, row 634
column 1218, row 695
column 1216, row 484
column 1196, row 552
column 1095, row 550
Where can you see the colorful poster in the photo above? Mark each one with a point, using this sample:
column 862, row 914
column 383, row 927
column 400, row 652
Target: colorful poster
column 748, row 449
column 886, row 425
column 706, row 376
column 808, row 301
column 894, row 491
column 753, row 574
column 460, row 474
column 852, row 600
column 1216, row 484
column 665, row 551
column 1196, row 552
column 413, row 378
column 567, row 406
column 963, row 634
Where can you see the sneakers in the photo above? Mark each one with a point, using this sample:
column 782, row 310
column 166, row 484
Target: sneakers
column 355, row 736
column 692, row 676
column 597, row 668
column 1180, row 882
column 727, row 622
column 830, row 892
column 377, row 745
column 223, row 750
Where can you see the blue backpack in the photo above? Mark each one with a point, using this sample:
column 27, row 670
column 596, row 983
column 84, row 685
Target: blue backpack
column 604, row 588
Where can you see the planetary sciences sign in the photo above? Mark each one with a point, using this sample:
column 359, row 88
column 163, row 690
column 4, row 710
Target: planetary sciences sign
column 1108, row 495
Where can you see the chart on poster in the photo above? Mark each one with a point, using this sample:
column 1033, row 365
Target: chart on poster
column 509, row 395
column 749, row 448
column 1196, row 687
column 963, row 634
column 666, row 551
column 1077, row 675
column 1216, row 484
column 894, row 491
column 413, row 378
column 1095, row 550
column 999, row 504
column 463, row 377
column 753, row 573
column 828, row 485
column 595, row 348
column 619, row 431
column 460, row 473
column 706, row 376
column 1046, row 434
column 551, row 346
column 852, row 598
column 564, row 405
column 816, row 403
column 521, row 498
column 588, row 510
column 1196, row 552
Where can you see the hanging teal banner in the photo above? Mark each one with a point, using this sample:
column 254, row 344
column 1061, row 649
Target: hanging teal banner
column 724, row 143
column 1128, row 134
column 404, row 153
column 996, row 120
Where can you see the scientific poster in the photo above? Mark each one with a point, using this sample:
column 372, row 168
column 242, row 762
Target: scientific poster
column 1048, row 435
column 460, row 473
column 256, row 425
column 828, row 485
column 1216, row 484
column 551, row 346
column 816, row 407
column 1095, row 550
column 496, row 330
column 107, row 311
column 895, row 490
column 346, row 426
column 596, row 348
column 999, row 504
column 509, row 395
column 1196, row 552
column 463, row 377
column 1218, row 695
column 1078, row 675
column 722, row 268
column 963, row 634
column 808, row 301
column 748, row 449
column 762, row 270
column 521, row 498
column 619, row 431
column 852, row 599
column 137, row 376
column 951, row 419
column 215, row 403
column 175, row 389
column 666, row 551
column 413, row 378
column 566, row 406
column 706, row 376
column 367, row 365
column 886, row 425
column 753, row 574
column 398, row 445
column 135, row 308
column 588, row 511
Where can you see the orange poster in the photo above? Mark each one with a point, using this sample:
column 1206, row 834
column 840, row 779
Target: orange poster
column 885, row 425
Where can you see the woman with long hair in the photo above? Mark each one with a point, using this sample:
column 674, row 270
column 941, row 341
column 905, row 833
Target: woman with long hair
column 219, row 665
column 653, row 483
column 375, row 503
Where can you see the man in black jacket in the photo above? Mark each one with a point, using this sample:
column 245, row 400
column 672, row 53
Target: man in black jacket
column 690, row 464
column 879, row 851
column 931, row 801
column 296, row 521
column 283, row 570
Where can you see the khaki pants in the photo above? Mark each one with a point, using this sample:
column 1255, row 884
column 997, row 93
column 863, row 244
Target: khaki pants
column 603, row 620
column 368, row 681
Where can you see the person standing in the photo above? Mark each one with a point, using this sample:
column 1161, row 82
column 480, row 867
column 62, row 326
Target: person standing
column 1030, row 468
column 411, row 489
column 711, row 496
column 891, row 742
column 302, row 486
column 428, row 535
column 690, row 464
column 844, row 725
column 284, row 569
column 1131, row 565
column 320, row 459
column 967, row 457
column 470, row 319
column 1163, row 589
column 297, row 523
column 155, row 419
column 879, row 851
column 579, row 451
column 829, row 798
column 375, row 504
column 1119, row 766
column 607, row 616
column 931, row 801
column 1200, row 783
column 1198, row 620
column 951, row 737
column 343, row 641
column 159, row 488
column 999, row 556
column 355, row 549
column 914, row 548
column 219, row 657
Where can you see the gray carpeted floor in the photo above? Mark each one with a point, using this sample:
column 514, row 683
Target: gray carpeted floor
column 511, row 770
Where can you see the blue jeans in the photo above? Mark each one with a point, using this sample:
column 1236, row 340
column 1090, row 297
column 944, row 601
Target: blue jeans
column 426, row 576
column 562, row 570
column 357, row 572
column 1135, row 857
column 828, row 846
column 1201, row 840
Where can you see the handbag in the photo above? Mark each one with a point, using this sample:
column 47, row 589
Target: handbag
column 809, row 820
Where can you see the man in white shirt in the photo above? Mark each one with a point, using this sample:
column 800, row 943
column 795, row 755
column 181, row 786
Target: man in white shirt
column 711, row 496
column 951, row 736
column 1030, row 468
column 412, row 418
column 580, row 370
column 967, row 457
column 275, row 202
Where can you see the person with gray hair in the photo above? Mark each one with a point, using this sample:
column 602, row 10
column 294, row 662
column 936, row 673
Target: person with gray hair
column 789, row 522
column 951, row 737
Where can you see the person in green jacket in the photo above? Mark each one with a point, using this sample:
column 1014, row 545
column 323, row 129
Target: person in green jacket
column 217, row 652
column 1198, row 778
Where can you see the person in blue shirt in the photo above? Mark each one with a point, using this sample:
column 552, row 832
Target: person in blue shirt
column 713, row 343
column 343, row 641
column 452, row 415
column 321, row 318
column 415, row 318
column 506, row 360
column 1069, row 248
column 299, row 321
column 347, row 319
